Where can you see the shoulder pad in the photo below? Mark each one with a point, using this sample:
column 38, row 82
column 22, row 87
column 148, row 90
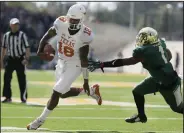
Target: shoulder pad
column 59, row 21
column 87, row 35
column 87, row 30
column 138, row 52
column 62, row 18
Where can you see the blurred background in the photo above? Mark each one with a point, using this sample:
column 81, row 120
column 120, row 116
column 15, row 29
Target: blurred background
column 115, row 25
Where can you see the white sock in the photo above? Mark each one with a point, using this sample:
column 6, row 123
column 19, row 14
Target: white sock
column 44, row 114
column 91, row 91
column 82, row 92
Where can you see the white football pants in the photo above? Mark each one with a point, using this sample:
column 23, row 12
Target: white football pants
column 66, row 73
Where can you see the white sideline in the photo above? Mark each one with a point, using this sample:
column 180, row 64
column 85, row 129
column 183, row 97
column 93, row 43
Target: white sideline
column 89, row 118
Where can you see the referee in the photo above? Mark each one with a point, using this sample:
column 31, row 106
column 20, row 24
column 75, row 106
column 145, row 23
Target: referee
column 16, row 46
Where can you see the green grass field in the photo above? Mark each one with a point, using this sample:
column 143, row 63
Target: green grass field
column 116, row 89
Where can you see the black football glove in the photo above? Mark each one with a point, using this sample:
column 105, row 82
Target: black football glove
column 93, row 65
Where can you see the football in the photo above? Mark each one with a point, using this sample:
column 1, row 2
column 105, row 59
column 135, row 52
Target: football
column 49, row 53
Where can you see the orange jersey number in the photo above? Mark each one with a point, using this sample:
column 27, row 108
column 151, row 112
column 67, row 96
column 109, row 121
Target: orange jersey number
column 87, row 30
column 67, row 51
column 62, row 18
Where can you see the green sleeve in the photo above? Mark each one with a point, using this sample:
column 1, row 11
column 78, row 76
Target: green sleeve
column 138, row 53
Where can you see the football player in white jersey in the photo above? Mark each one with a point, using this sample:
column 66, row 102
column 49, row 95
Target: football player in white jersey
column 73, row 39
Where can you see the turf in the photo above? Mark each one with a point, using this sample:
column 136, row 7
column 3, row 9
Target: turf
column 89, row 118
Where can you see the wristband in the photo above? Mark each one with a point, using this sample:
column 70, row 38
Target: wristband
column 85, row 73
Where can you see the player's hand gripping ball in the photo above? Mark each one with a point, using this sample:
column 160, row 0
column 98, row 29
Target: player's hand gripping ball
column 48, row 53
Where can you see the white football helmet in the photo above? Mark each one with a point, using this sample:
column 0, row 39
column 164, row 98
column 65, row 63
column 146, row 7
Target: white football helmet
column 147, row 35
column 75, row 16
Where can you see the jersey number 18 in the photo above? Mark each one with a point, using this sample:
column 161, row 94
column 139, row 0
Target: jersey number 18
column 67, row 51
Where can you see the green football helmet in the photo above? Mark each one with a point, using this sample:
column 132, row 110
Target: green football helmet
column 147, row 35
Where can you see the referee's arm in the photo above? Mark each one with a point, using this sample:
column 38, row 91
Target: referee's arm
column 3, row 50
column 27, row 47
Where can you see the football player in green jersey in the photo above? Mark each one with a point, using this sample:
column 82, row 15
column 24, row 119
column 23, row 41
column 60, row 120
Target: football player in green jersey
column 155, row 57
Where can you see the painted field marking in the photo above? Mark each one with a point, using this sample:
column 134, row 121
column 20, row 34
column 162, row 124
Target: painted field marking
column 78, row 84
column 87, row 118
column 97, row 131
column 74, row 108
column 85, row 101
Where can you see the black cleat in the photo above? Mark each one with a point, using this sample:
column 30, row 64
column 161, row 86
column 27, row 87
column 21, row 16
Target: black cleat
column 23, row 101
column 136, row 118
column 7, row 100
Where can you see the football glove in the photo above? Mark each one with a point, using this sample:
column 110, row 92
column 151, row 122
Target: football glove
column 93, row 65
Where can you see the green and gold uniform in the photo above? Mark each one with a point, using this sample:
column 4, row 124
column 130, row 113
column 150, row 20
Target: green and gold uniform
column 156, row 59
column 163, row 77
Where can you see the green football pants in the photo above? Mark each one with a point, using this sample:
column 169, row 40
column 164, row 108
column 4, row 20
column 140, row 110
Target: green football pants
column 172, row 96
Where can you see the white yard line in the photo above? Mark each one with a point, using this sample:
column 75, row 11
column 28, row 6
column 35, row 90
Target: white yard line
column 101, row 83
column 87, row 118
column 85, row 101
column 41, row 130
column 82, row 108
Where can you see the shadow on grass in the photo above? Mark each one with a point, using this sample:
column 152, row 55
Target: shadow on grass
column 149, row 132
column 88, row 131
column 96, row 131
column 23, row 104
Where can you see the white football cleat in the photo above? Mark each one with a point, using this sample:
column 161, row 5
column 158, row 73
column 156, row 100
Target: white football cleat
column 95, row 93
column 35, row 124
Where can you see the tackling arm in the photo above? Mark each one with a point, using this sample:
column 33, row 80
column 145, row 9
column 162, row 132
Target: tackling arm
column 92, row 65
column 121, row 62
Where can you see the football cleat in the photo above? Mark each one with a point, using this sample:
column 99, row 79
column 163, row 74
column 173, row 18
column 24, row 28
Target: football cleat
column 35, row 124
column 95, row 93
column 136, row 118
column 7, row 100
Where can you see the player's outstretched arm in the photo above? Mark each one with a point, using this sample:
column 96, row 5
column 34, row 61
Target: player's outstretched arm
column 121, row 62
column 114, row 63
column 48, row 35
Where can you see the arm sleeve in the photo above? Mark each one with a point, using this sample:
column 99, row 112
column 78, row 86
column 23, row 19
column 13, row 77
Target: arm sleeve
column 4, row 44
column 26, row 44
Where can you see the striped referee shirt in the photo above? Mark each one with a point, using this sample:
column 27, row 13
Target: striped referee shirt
column 16, row 43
